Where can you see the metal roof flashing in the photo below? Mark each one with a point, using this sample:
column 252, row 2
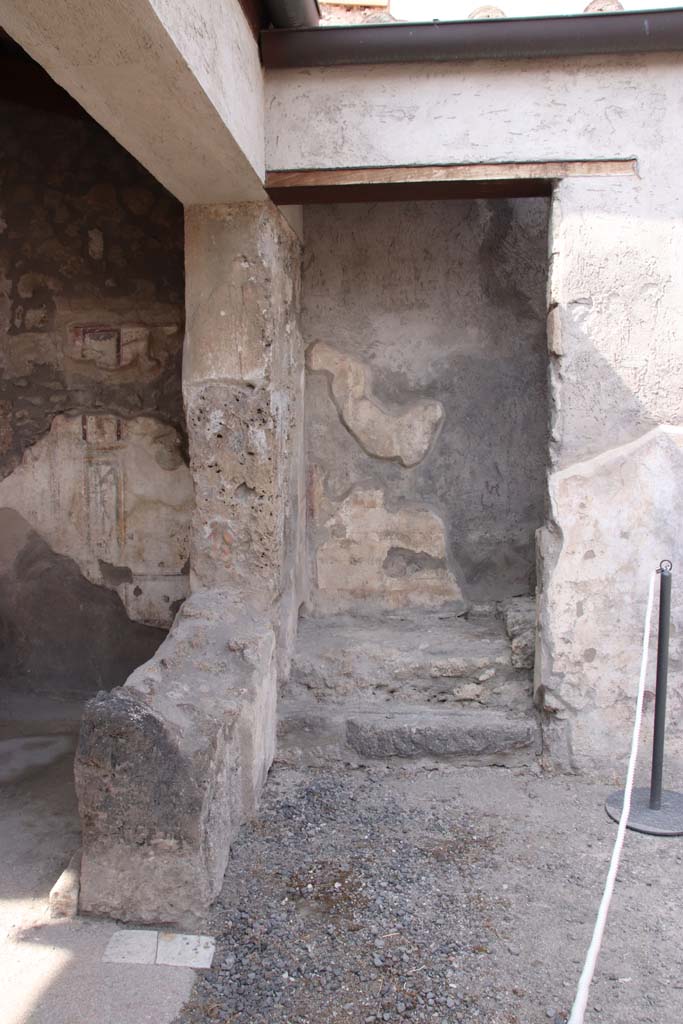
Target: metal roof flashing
column 621, row 32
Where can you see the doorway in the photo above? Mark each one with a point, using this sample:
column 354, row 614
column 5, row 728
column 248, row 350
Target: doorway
column 426, row 441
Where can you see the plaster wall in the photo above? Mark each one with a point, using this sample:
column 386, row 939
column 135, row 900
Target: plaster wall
column 616, row 352
column 473, row 112
column 95, row 491
column 615, row 305
column 426, row 413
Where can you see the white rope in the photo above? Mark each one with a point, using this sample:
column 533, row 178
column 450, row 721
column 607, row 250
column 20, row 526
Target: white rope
column 579, row 1007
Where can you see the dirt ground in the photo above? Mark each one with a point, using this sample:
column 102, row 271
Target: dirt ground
column 360, row 896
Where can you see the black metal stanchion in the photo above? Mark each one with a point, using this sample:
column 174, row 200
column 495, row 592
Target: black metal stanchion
column 662, row 682
column 655, row 811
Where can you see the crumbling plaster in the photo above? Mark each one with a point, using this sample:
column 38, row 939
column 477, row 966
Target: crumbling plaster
column 616, row 376
column 91, row 272
column 614, row 518
column 390, row 558
column 425, row 388
column 115, row 496
column 615, row 300
column 93, row 453
column 405, row 435
column 243, row 388
column 170, row 764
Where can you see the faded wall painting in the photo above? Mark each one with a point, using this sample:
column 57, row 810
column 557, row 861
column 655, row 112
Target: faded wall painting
column 426, row 413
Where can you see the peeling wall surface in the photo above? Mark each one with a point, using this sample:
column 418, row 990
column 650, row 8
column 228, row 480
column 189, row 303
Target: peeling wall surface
column 426, row 414
column 170, row 764
column 92, row 433
column 115, row 496
column 615, row 305
column 591, row 634
column 431, row 361
column 616, row 300
column 243, row 387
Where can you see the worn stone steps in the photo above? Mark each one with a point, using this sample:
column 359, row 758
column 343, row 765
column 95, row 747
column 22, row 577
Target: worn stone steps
column 311, row 734
column 421, row 657
column 420, row 685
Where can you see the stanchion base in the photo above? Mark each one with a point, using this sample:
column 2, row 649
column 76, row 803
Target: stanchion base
column 667, row 821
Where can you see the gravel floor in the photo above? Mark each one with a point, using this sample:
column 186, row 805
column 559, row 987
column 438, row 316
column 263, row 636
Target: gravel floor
column 438, row 897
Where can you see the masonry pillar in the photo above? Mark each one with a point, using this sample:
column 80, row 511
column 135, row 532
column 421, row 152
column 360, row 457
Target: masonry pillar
column 615, row 488
column 243, row 391
column 170, row 764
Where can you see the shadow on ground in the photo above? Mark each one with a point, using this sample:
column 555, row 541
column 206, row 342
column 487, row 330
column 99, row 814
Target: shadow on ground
column 439, row 897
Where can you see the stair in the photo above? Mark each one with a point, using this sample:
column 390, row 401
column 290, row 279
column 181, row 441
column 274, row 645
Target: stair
column 422, row 685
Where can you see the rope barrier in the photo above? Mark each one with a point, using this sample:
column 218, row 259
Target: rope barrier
column 581, row 1000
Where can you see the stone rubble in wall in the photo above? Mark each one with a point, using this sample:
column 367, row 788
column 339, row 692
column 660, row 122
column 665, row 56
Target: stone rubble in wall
column 172, row 763
column 519, row 615
column 244, row 404
column 239, row 521
column 91, row 278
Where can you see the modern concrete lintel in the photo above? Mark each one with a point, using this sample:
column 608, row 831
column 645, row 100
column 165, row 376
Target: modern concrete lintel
column 191, row 113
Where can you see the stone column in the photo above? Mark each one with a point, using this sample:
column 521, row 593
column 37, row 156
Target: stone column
column 170, row 764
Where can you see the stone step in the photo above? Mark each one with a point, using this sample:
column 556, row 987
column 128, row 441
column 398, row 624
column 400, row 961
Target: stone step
column 313, row 734
column 423, row 657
